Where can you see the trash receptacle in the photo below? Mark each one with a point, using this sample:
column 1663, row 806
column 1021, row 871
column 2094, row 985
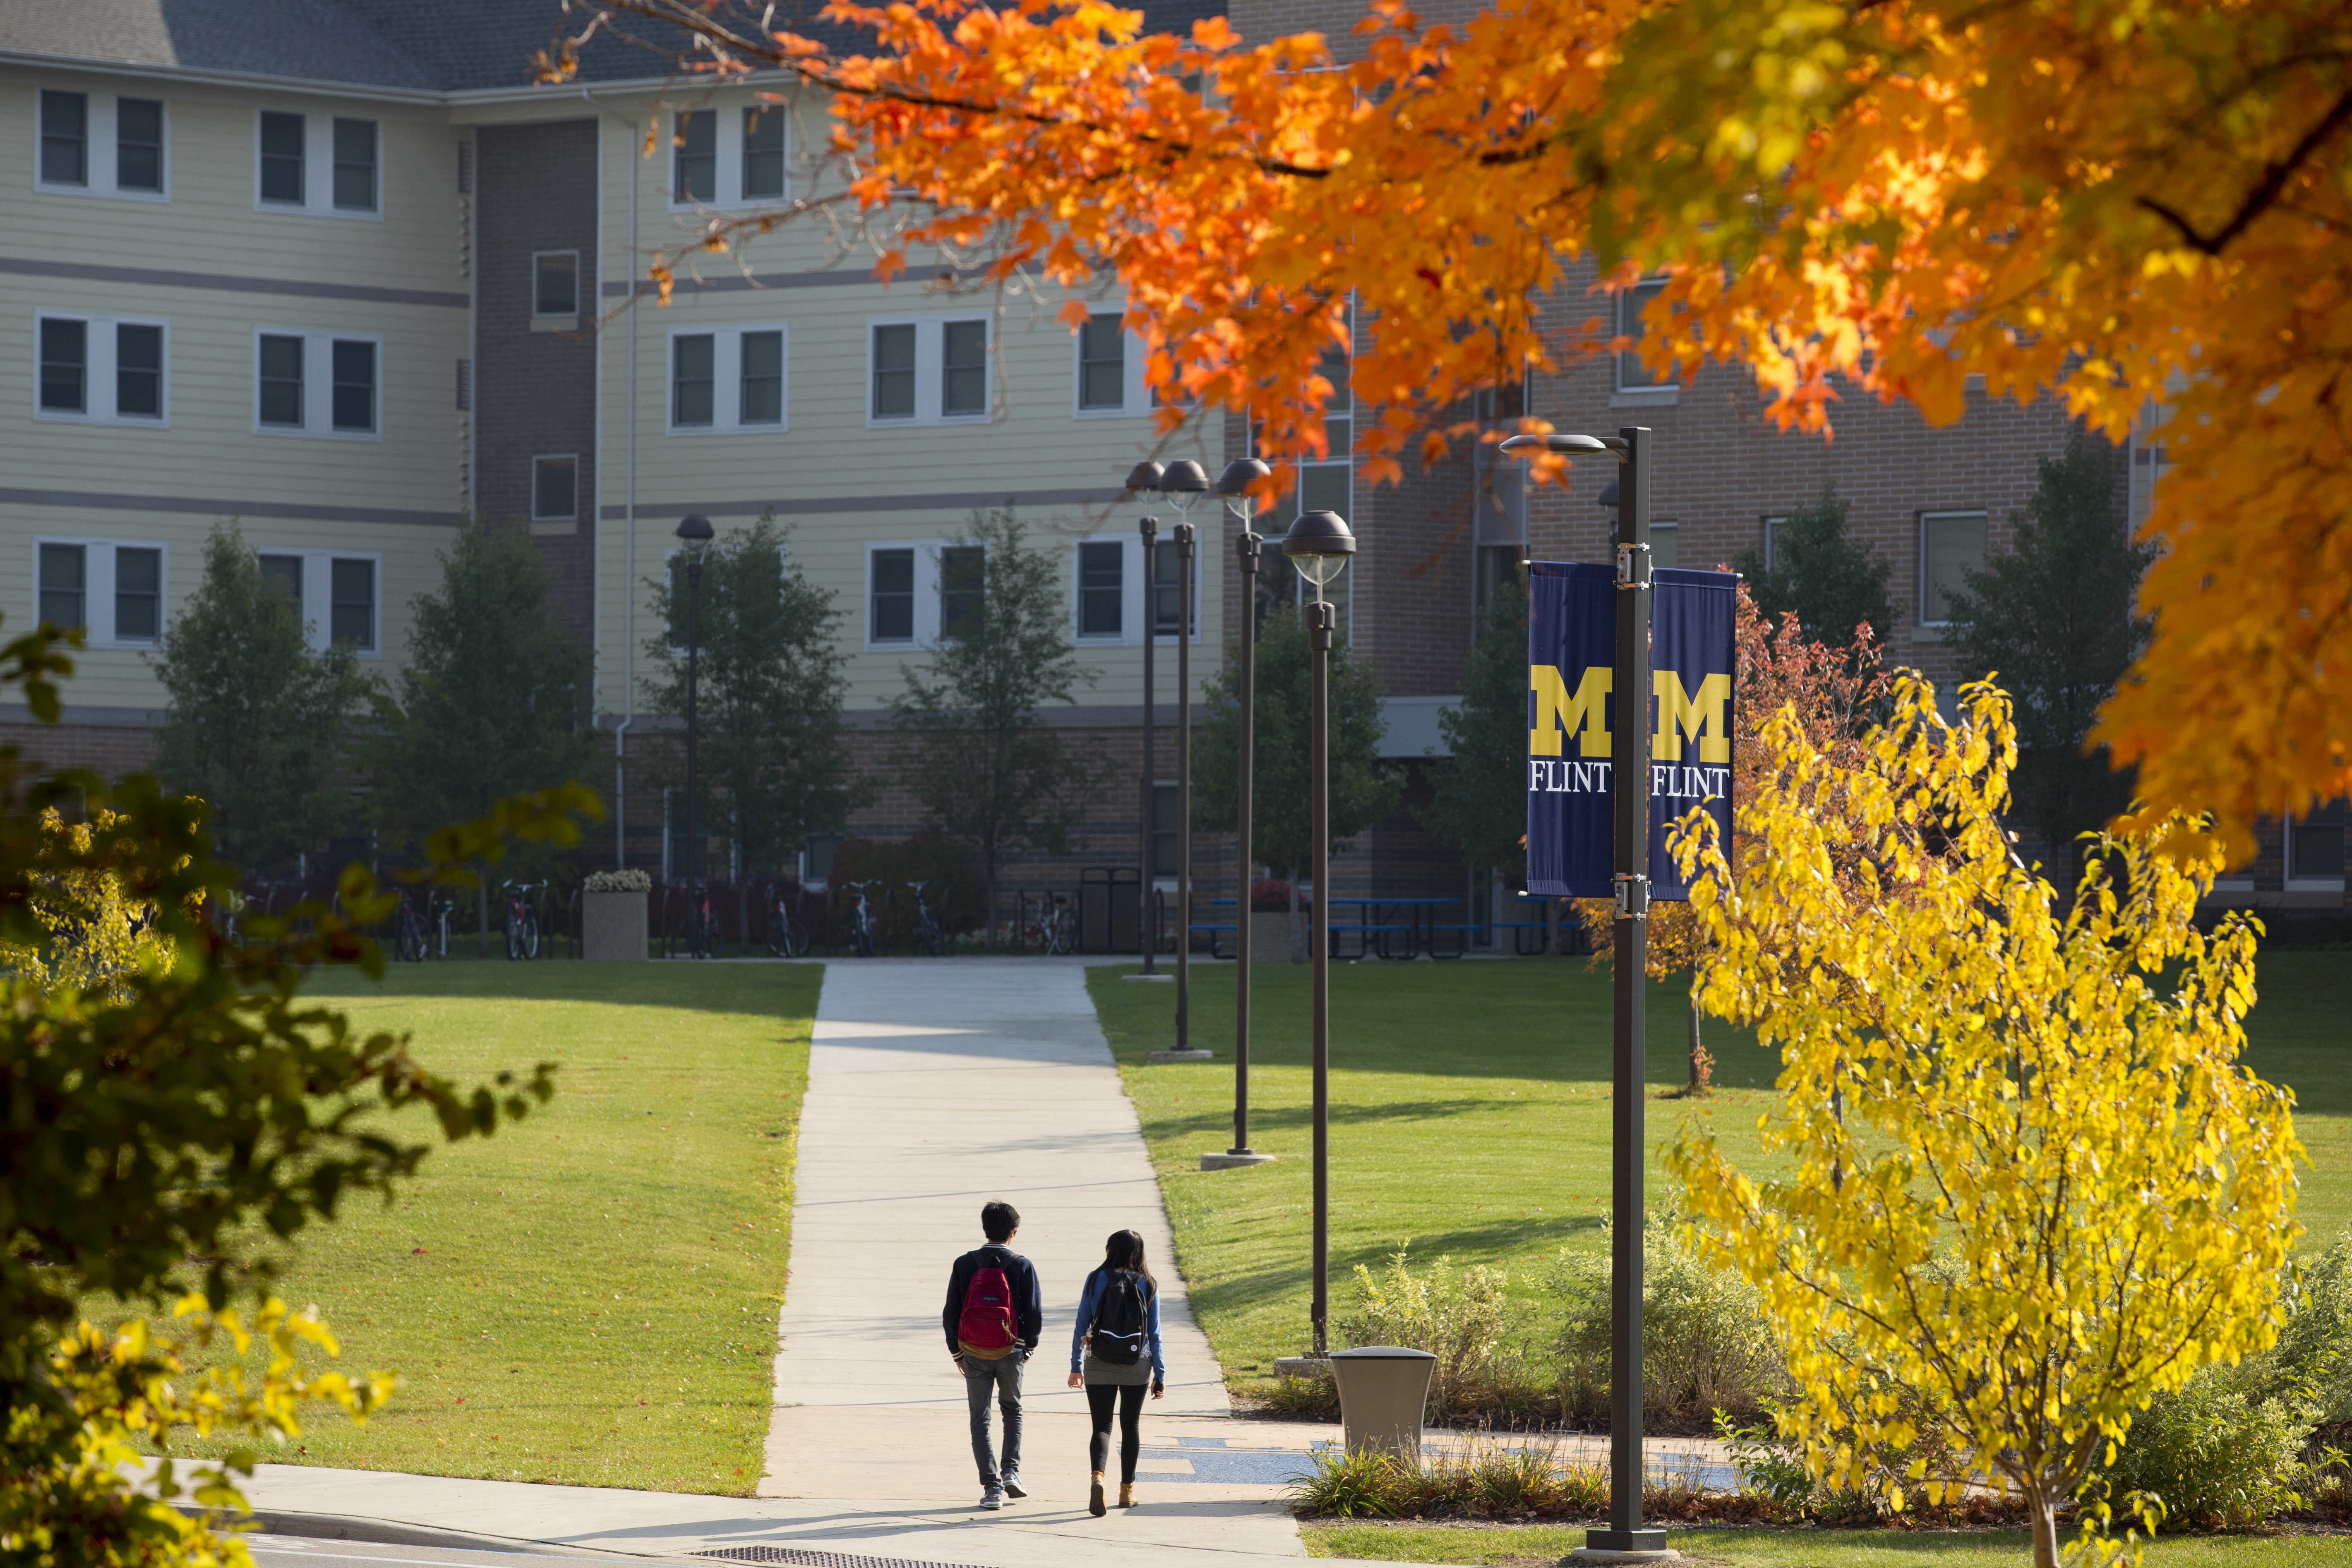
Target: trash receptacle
column 1383, row 1389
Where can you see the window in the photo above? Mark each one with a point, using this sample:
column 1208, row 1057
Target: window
column 281, row 158
column 355, row 165
column 1951, row 545
column 1166, row 573
column 138, row 145
column 347, row 585
column 64, row 581
column 1771, row 542
column 1102, row 365
column 928, row 370
column 894, row 372
column 100, row 369
column 694, row 172
column 113, row 591
column 290, row 398
column 1632, row 375
column 352, row 610
column 963, row 572
column 284, row 574
column 1102, row 587
column 729, row 380
column 65, row 139
column 1165, row 841
column 762, row 392
column 555, row 283
column 893, row 614
column 763, row 151
column 2315, row 855
column 554, row 489
column 1665, row 543
column 691, row 357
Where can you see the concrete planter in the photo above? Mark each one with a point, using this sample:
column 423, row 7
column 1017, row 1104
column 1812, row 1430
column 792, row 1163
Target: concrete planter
column 614, row 924
column 1269, row 937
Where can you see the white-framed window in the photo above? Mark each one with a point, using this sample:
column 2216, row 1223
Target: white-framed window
column 114, row 588
column 1951, row 545
column 1770, row 528
column 1109, row 380
column 1101, row 591
column 2315, row 855
column 324, row 384
column 331, row 164
column 100, row 369
column 927, row 369
column 102, row 144
column 555, row 488
column 555, row 284
column 1632, row 375
column 338, row 593
column 731, row 157
column 919, row 592
column 729, row 380
column 1107, row 590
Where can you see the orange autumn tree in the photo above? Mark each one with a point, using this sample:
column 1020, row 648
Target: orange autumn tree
column 2119, row 204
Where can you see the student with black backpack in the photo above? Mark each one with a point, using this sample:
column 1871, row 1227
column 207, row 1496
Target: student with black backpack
column 1114, row 1353
column 993, row 1318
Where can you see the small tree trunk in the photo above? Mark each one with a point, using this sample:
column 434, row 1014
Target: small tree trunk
column 2043, row 1519
column 1702, row 1065
column 482, row 914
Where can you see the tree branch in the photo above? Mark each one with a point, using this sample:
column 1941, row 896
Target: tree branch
column 2263, row 196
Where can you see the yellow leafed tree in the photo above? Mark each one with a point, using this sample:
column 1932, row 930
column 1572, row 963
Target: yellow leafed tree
column 2030, row 1183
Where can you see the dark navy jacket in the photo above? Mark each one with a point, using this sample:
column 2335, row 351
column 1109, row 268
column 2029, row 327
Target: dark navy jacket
column 1028, row 1304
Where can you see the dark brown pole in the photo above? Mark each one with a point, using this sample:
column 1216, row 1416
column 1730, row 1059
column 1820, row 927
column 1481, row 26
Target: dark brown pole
column 1143, row 933
column 1183, row 785
column 1246, row 548
column 1321, row 619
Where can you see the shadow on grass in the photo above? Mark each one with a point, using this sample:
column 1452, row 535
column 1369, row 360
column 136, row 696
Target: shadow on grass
column 1295, row 1277
column 780, row 989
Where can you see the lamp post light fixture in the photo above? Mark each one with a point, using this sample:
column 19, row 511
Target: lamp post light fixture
column 1143, row 479
column 696, row 533
column 1235, row 486
column 1635, row 486
column 1320, row 547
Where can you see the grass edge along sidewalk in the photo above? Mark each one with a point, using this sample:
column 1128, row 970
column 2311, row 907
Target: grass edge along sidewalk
column 588, row 1297
column 1522, row 1546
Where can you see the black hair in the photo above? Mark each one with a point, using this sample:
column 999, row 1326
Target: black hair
column 1125, row 1250
column 999, row 1220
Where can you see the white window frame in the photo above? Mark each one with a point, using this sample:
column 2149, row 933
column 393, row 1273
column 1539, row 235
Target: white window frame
column 319, row 168
column 1135, row 400
column 547, row 321
column 317, row 385
column 1771, row 525
column 1132, row 609
column 728, row 174
column 727, row 382
column 2295, row 882
column 1945, row 514
column 1626, row 308
column 102, row 142
column 926, row 595
column 98, row 586
column 318, row 590
column 930, row 356
column 99, row 385
column 574, row 515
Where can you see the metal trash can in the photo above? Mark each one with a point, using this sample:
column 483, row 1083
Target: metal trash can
column 1383, row 1389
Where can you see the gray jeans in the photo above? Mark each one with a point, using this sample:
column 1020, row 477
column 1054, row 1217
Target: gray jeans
column 1004, row 1379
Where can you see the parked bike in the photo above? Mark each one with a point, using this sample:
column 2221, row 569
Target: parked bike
column 929, row 935
column 522, row 926
column 1057, row 924
column 861, row 920
column 701, row 925
column 786, row 937
column 410, row 942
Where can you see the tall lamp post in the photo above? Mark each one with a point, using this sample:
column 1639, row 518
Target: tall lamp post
column 1183, row 483
column 1320, row 546
column 1631, row 446
column 695, row 531
column 1234, row 485
column 1143, row 479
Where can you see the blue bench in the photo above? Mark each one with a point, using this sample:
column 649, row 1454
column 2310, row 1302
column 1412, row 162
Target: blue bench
column 1518, row 930
column 1371, row 939
column 1461, row 934
column 1212, row 931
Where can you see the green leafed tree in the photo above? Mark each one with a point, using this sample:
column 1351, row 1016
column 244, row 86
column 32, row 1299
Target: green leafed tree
column 973, row 743
column 257, row 723
column 1281, row 816
column 1831, row 580
column 1479, row 801
column 772, row 765
column 2056, row 617
column 494, row 702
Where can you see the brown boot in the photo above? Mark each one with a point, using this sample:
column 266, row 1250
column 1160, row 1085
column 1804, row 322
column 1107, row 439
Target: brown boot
column 1127, row 1494
column 1095, row 1499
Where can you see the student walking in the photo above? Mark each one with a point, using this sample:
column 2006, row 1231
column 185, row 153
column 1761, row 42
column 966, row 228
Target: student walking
column 1114, row 1354
column 993, row 1318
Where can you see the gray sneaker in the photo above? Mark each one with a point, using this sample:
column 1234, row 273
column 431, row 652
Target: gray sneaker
column 1013, row 1487
column 992, row 1497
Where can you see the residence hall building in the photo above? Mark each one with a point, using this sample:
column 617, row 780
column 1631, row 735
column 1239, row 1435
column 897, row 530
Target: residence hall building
column 339, row 271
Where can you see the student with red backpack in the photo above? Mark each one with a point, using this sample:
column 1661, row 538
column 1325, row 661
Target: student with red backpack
column 993, row 1318
column 1114, row 1353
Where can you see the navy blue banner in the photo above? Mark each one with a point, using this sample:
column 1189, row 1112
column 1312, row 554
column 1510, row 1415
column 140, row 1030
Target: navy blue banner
column 1572, row 718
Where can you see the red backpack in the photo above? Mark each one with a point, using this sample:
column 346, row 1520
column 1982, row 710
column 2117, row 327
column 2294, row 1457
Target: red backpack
column 986, row 1328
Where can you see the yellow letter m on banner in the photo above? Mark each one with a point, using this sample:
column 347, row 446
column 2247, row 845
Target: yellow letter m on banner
column 1584, row 716
column 1698, row 715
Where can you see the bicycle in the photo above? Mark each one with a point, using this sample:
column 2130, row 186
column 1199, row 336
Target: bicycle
column 522, row 926
column 701, row 925
column 1057, row 924
column 929, row 932
column 786, row 939
column 409, row 943
column 861, row 921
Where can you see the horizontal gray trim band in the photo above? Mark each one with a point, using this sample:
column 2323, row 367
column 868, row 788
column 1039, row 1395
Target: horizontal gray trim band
column 736, row 283
column 822, row 505
column 92, row 717
column 159, row 277
column 96, row 501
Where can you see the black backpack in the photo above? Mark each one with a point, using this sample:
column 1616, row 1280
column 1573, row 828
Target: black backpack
column 1119, row 1318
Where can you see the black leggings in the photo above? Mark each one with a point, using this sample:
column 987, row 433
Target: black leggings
column 1129, row 1397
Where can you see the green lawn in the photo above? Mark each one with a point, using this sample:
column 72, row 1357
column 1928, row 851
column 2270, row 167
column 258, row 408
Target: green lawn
column 1470, row 1115
column 1541, row 1546
column 588, row 1297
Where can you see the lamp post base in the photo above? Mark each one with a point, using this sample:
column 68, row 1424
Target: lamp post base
column 1302, row 1366
column 1234, row 1159
column 1183, row 1056
column 1626, row 1546
column 1598, row 1557
column 1151, row 979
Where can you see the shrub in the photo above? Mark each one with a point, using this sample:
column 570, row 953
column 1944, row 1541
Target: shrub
column 2214, row 1452
column 1270, row 895
column 1706, row 1345
column 1458, row 1316
column 1350, row 1485
column 618, row 882
column 1299, row 1399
